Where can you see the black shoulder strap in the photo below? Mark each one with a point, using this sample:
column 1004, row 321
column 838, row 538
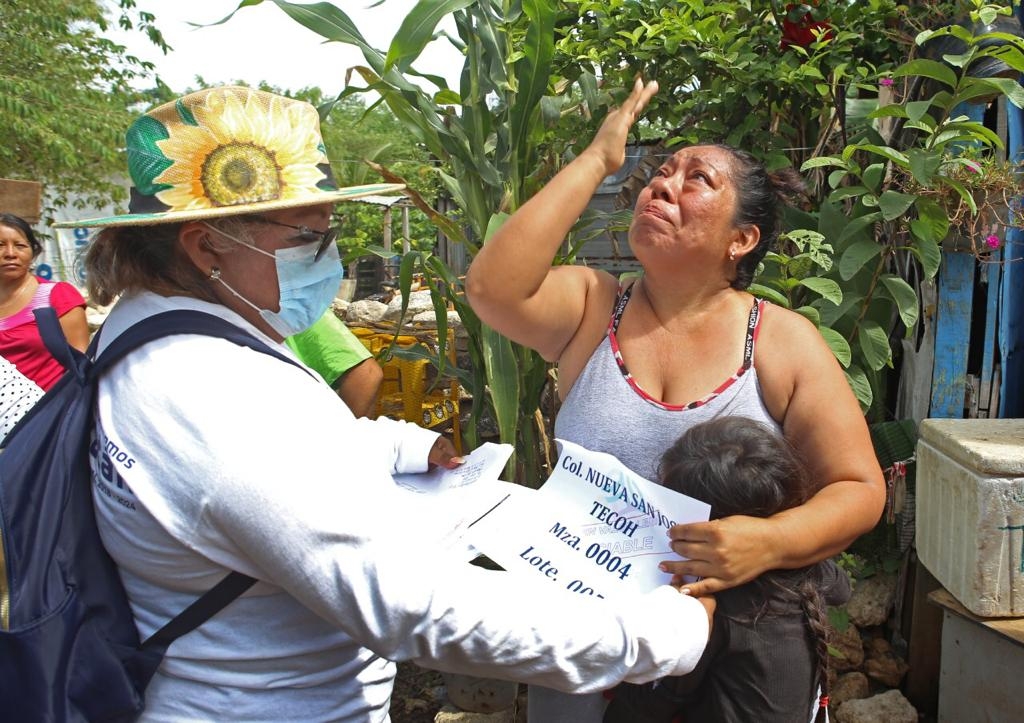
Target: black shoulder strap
column 183, row 321
column 180, row 321
column 56, row 343
column 212, row 602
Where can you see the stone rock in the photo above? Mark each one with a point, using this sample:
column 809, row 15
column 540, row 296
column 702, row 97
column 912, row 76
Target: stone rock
column 365, row 312
column 883, row 664
column 850, row 648
column 480, row 695
column 849, row 686
column 419, row 301
column 451, row 714
column 888, row 707
column 428, row 320
column 871, row 601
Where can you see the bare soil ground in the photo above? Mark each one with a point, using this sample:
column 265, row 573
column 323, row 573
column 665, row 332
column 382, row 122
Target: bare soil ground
column 418, row 695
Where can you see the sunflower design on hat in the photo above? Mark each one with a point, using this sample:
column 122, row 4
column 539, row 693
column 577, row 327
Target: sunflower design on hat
column 227, row 151
column 242, row 147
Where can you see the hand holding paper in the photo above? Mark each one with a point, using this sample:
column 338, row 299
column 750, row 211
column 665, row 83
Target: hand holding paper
column 453, row 499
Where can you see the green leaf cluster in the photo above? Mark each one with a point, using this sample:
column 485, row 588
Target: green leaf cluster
column 66, row 94
column 890, row 169
column 916, row 170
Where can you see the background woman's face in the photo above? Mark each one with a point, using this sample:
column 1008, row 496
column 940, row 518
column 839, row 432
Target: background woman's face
column 15, row 254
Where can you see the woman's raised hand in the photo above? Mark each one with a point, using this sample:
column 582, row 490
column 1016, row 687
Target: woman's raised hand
column 610, row 141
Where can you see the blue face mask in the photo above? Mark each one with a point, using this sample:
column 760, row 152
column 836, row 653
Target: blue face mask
column 306, row 287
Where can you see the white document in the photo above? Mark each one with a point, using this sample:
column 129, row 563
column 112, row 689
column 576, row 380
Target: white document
column 486, row 462
column 453, row 499
column 595, row 527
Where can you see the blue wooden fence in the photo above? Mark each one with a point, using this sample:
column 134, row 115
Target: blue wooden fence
column 1002, row 349
column 1011, row 302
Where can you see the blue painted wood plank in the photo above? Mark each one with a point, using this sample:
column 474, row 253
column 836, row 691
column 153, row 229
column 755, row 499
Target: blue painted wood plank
column 1011, row 302
column 992, row 274
column 952, row 335
column 1011, row 333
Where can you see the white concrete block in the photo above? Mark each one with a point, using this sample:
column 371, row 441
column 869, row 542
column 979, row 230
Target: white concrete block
column 970, row 511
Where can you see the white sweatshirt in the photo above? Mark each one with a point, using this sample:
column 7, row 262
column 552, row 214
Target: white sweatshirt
column 212, row 457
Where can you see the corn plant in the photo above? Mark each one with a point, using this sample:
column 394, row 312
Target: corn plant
column 488, row 135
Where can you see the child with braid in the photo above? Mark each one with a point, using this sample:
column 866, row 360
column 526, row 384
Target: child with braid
column 767, row 659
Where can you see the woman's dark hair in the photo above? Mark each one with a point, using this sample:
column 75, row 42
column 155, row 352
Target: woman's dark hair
column 760, row 197
column 133, row 258
column 736, row 465
column 21, row 225
column 741, row 467
column 816, row 618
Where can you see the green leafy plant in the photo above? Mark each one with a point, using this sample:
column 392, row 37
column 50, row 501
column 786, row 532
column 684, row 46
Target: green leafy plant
column 530, row 86
column 790, row 276
column 489, row 139
column 822, row 86
column 66, row 94
column 892, row 188
column 979, row 195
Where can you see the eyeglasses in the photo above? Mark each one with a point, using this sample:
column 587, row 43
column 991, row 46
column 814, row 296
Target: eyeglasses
column 305, row 234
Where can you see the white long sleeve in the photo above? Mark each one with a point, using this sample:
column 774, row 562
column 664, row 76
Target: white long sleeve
column 215, row 457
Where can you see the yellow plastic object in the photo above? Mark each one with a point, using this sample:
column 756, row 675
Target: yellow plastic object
column 403, row 392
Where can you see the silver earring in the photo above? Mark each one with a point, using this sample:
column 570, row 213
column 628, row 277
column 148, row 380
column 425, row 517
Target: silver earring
column 215, row 273
column 732, row 255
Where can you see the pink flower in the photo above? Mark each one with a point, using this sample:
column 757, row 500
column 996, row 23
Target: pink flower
column 886, row 82
column 992, row 241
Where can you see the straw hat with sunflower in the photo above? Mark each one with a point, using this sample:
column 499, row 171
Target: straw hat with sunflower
column 227, row 151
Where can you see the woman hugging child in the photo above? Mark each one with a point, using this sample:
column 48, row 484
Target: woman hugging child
column 767, row 660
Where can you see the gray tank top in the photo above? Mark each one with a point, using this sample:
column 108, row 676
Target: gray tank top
column 607, row 411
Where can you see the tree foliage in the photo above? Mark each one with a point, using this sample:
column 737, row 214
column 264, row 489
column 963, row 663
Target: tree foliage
column 790, row 81
column 765, row 75
column 66, row 96
column 357, row 136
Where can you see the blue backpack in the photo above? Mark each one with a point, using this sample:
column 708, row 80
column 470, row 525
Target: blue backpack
column 69, row 650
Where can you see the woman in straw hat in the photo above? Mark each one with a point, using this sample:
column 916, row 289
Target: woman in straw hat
column 212, row 457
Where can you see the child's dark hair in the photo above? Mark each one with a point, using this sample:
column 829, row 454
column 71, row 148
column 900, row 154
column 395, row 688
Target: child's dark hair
column 741, row 467
column 707, row 461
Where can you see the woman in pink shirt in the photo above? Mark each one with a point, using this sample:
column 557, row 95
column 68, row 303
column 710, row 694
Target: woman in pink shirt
column 20, row 293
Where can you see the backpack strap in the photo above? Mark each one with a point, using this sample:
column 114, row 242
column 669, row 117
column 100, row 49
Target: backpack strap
column 52, row 334
column 167, row 323
column 180, row 321
column 212, row 602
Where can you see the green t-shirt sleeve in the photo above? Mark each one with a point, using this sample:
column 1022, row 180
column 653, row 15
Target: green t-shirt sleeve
column 328, row 347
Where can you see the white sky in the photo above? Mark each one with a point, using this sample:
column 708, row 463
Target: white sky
column 262, row 43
